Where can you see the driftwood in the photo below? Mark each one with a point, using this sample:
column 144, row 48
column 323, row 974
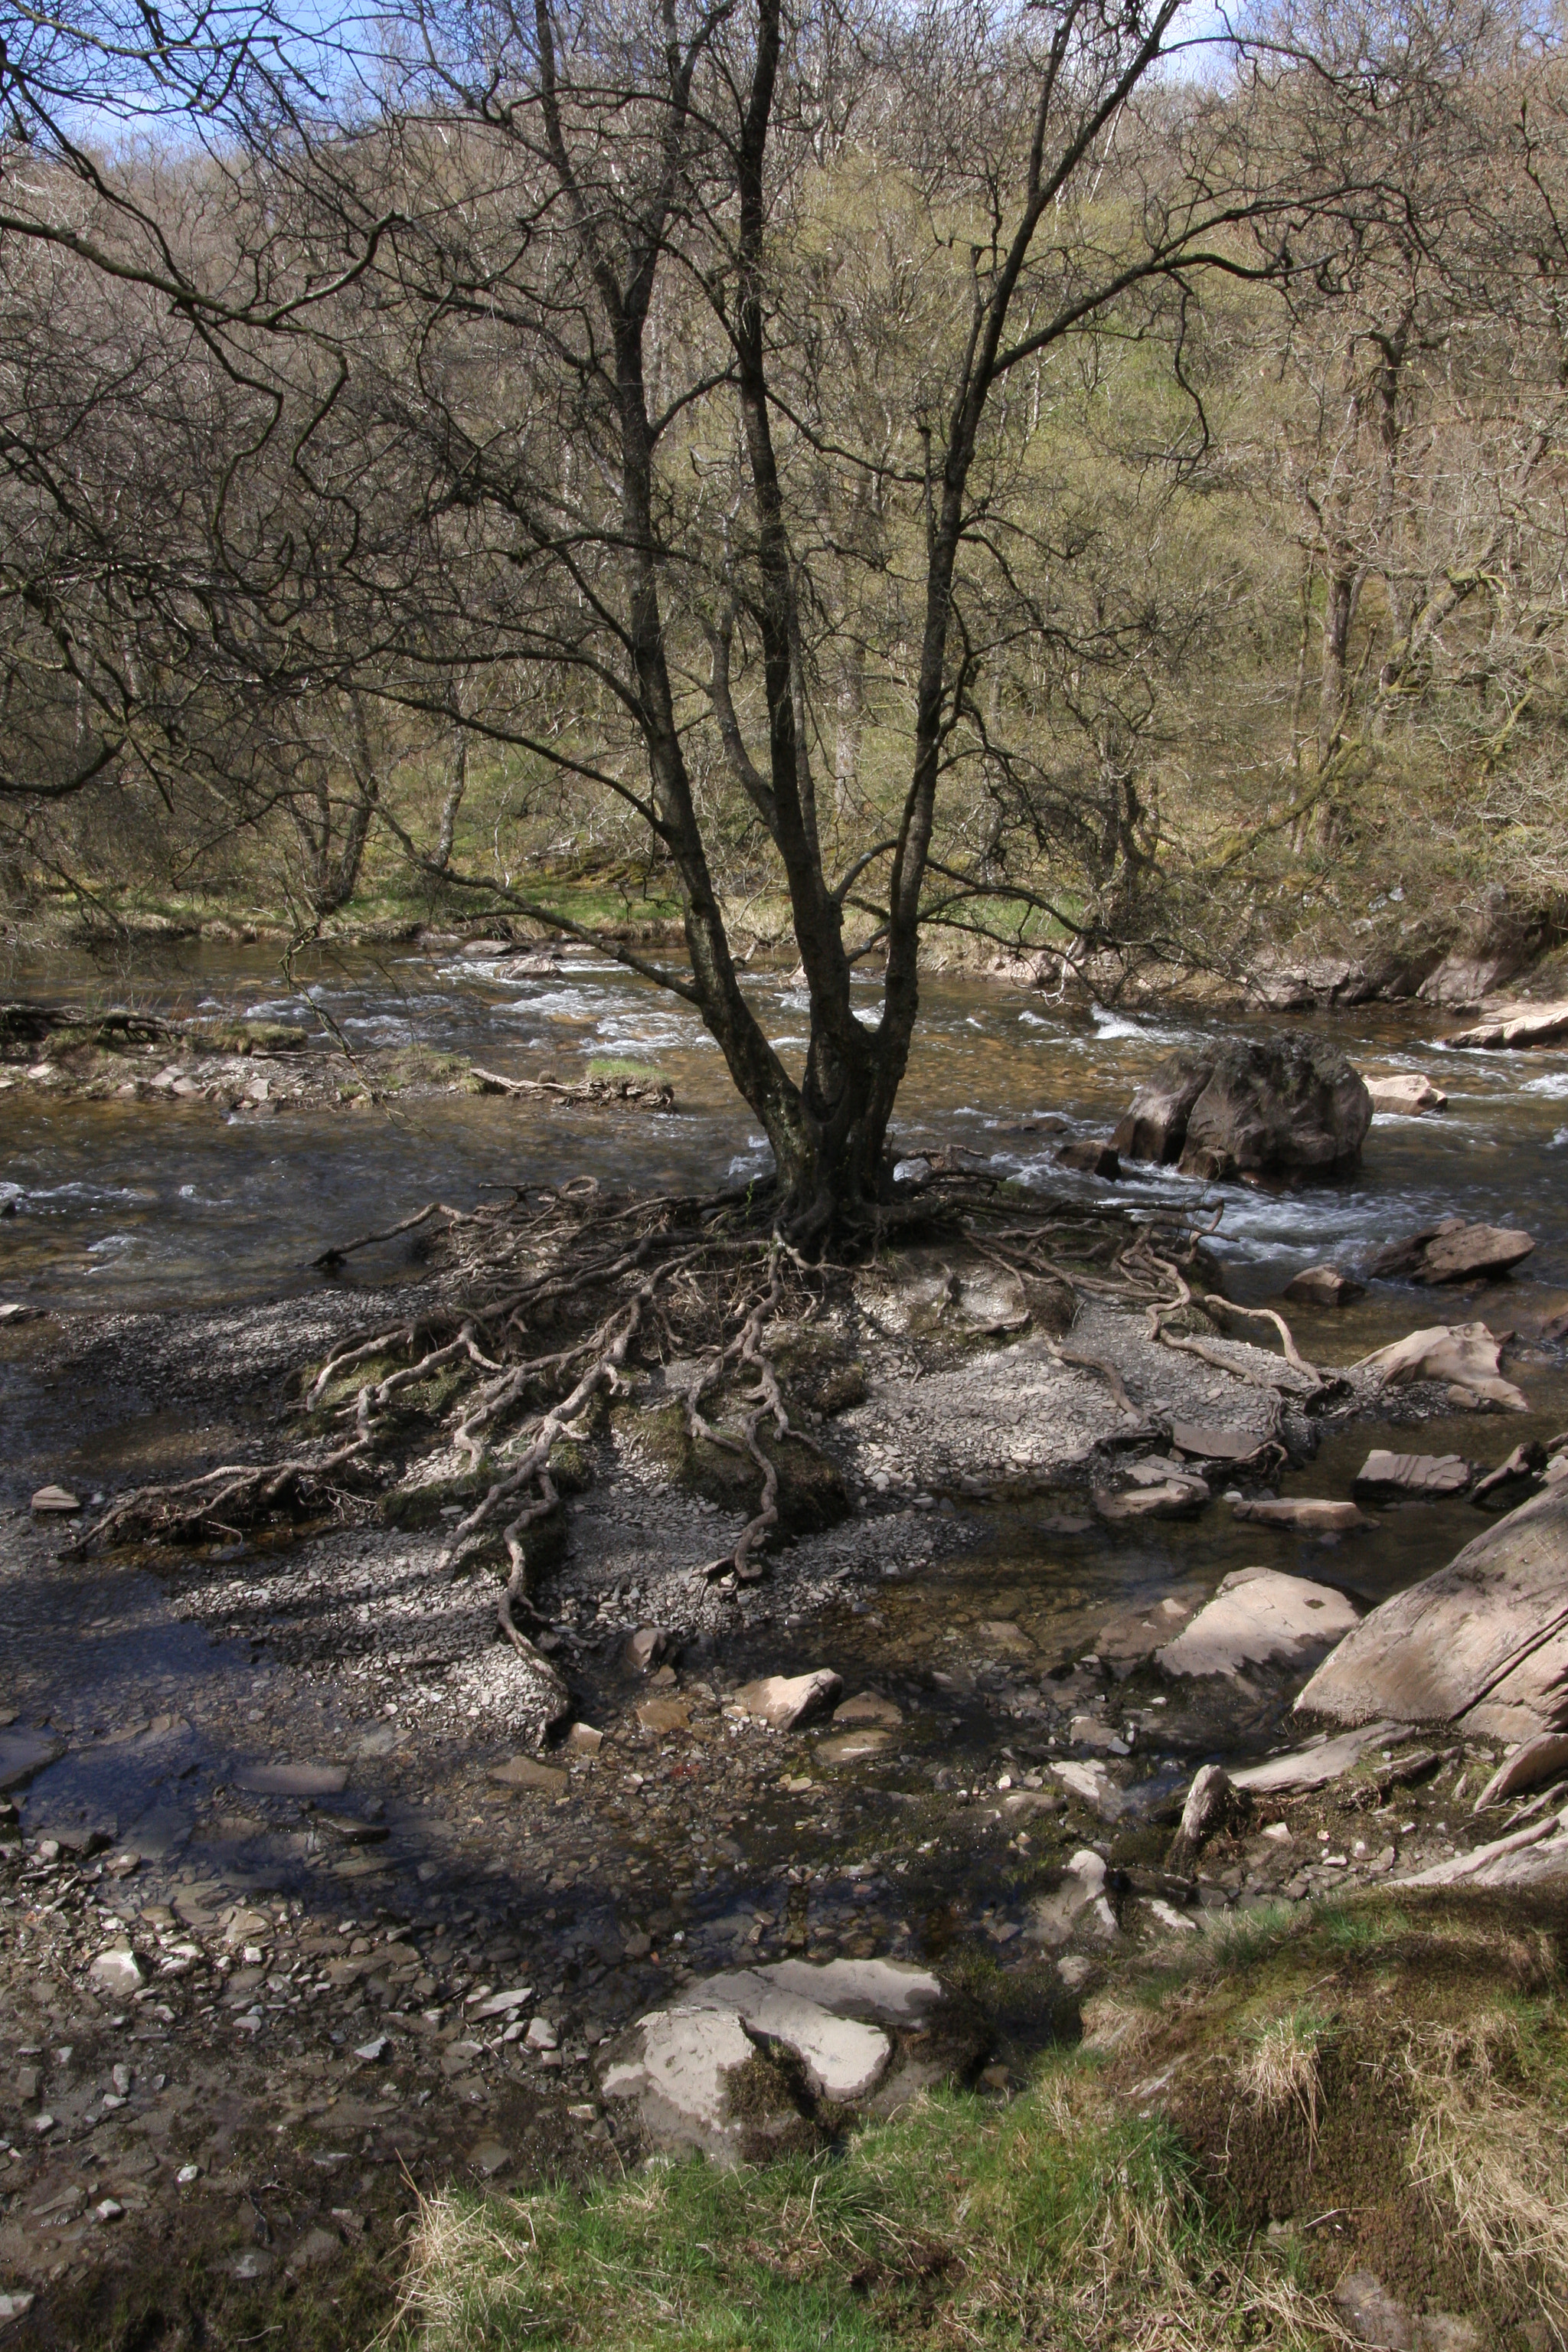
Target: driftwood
column 657, row 1091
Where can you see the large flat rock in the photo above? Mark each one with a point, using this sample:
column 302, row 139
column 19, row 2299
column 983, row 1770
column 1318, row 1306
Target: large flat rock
column 1259, row 1617
column 1515, row 1025
column 1483, row 1643
column 839, row 2020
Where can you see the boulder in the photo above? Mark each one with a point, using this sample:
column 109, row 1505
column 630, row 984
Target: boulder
column 1464, row 1354
column 1383, row 1474
column 1310, row 1514
column 1405, row 1091
column 1289, row 1104
column 1513, row 1480
column 839, row 2021
column 1091, row 1159
column 1499, row 939
column 868, row 1708
column 1258, row 1617
column 1483, row 1643
column 1155, row 1127
column 1323, row 1286
column 1453, row 1252
column 785, row 1700
column 1515, row 1025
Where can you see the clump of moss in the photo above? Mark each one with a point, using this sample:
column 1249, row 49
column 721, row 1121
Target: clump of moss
column 812, row 1495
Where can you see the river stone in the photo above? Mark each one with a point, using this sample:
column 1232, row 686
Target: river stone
column 1514, row 1025
column 868, row 1707
column 837, row 2019
column 51, row 1499
column 1407, row 1091
column 664, row 1715
column 1259, row 1617
column 1312, row 1514
column 1383, row 1473
column 525, row 1772
column 116, row 1972
column 854, row 1747
column 1077, row 1906
column 1322, row 1285
column 786, row 1700
column 1483, row 1643
column 23, row 1753
column 293, row 1780
column 1313, row 1766
column 1453, row 1251
column 1090, row 1158
column 1463, row 1353
column 1171, row 1498
column 1211, row 1802
column 1094, row 1784
column 1208, row 1444
column 1238, row 1108
column 1538, row 1760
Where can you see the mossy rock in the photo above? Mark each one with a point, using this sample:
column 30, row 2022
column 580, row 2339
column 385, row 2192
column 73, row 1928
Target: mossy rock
column 811, row 1492
column 571, row 1465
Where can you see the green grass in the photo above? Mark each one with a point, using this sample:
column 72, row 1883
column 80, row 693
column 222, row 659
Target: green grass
column 1056, row 2220
column 612, row 1067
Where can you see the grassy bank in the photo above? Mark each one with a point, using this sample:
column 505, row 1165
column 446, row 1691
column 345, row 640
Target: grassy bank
column 1380, row 2089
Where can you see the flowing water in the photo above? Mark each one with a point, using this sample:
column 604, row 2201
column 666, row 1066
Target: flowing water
column 119, row 1204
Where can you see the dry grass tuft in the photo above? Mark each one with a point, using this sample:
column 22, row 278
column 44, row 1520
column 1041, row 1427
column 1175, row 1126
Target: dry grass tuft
column 1281, row 2070
column 1493, row 2157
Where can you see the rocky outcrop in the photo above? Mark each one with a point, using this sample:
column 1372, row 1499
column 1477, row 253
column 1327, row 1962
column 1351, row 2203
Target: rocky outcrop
column 1517, row 1026
column 1483, row 1643
column 1283, row 1106
column 1499, row 941
column 1453, row 1252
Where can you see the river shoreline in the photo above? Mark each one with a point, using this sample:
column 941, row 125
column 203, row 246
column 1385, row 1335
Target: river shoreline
column 311, row 1957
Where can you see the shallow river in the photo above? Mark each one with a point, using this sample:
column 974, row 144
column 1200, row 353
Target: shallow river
column 154, row 1205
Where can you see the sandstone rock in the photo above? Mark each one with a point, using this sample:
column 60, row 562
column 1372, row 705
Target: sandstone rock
column 1513, row 1480
column 1463, row 1353
column 1237, row 1108
column 293, row 1780
column 1155, row 1127
column 1530, row 1767
column 644, row 1649
column 1094, row 1784
column 54, row 1500
column 664, row 1715
column 583, row 1739
column 1209, row 1444
column 1258, row 1617
column 1304, row 1514
column 786, row 1700
column 1515, row 1025
column 1002, row 1634
column 1079, row 1905
column 1528, row 1857
column 1483, row 1643
column 868, row 1707
column 1314, row 1764
column 1437, row 1475
column 1454, row 1251
column 1323, row 1286
column 116, row 1972
column 526, row 1772
column 854, row 1747
column 1091, row 1159
column 24, row 1753
column 1407, row 1091
column 836, row 2020
column 1173, row 1499
column 1499, row 939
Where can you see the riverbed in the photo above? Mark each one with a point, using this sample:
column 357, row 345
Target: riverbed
column 166, row 1693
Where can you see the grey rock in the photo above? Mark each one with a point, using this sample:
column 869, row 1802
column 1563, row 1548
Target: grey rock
column 293, row 1780
column 1239, row 1108
column 1382, row 1474
column 786, row 1700
column 1531, row 1765
column 1259, row 1617
column 1323, row 1286
column 1483, row 1643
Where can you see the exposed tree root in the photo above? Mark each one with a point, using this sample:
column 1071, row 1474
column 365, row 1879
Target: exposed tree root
column 539, row 1305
